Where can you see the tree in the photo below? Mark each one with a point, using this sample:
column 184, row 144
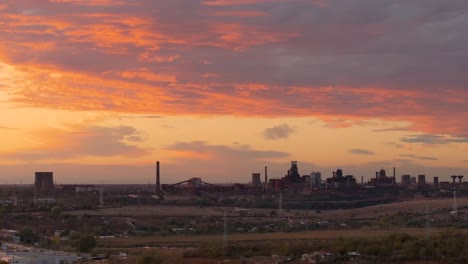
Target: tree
column 56, row 210
column 27, row 235
column 149, row 259
column 86, row 243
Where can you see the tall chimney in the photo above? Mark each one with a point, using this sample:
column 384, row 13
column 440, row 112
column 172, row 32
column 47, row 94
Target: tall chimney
column 266, row 177
column 158, row 183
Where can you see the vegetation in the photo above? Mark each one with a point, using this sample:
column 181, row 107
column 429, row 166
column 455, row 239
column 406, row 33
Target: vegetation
column 447, row 247
column 56, row 210
column 27, row 235
column 149, row 259
column 86, row 243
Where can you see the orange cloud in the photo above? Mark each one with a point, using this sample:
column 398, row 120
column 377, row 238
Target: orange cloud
column 321, row 3
column 143, row 74
column 134, row 92
column 206, row 58
column 234, row 2
column 240, row 36
column 243, row 14
column 150, row 56
column 89, row 2
column 73, row 90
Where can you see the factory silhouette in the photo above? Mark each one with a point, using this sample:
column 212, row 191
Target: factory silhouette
column 295, row 181
column 295, row 187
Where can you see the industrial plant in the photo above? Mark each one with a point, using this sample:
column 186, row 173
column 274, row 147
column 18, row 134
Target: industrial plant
column 312, row 190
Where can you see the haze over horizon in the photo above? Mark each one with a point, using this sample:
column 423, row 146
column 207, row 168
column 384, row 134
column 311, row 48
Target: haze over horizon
column 98, row 90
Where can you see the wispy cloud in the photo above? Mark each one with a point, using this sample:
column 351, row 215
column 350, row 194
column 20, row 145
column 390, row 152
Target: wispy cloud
column 81, row 141
column 433, row 139
column 418, row 157
column 144, row 116
column 395, row 145
column 204, row 151
column 405, row 128
column 361, row 152
column 278, row 132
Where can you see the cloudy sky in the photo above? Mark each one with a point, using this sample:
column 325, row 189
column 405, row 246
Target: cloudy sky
column 98, row 90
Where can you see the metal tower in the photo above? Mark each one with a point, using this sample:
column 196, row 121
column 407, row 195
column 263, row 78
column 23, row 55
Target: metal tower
column 427, row 223
column 101, row 197
column 455, row 210
column 280, row 209
column 225, row 235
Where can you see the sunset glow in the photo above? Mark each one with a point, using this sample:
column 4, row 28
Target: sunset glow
column 98, row 90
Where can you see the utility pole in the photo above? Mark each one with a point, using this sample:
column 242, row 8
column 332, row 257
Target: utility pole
column 455, row 209
column 280, row 209
column 225, row 236
column 427, row 223
column 101, row 197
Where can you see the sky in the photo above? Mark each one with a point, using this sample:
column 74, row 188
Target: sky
column 98, row 90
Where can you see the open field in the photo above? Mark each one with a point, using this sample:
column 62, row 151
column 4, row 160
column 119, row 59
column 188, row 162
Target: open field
column 436, row 207
column 149, row 210
column 193, row 240
column 414, row 206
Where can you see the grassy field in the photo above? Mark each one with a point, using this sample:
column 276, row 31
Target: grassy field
column 177, row 245
column 193, row 240
column 412, row 206
column 149, row 210
column 437, row 207
column 415, row 205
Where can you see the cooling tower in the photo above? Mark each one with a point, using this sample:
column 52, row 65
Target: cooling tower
column 44, row 183
column 405, row 180
column 256, row 182
column 421, row 180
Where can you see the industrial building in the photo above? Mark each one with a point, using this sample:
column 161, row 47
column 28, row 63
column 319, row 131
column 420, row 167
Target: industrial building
column 338, row 180
column 381, row 178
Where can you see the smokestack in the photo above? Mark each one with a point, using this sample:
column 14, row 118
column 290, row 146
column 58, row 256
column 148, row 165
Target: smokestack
column 394, row 172
column 158, row 183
